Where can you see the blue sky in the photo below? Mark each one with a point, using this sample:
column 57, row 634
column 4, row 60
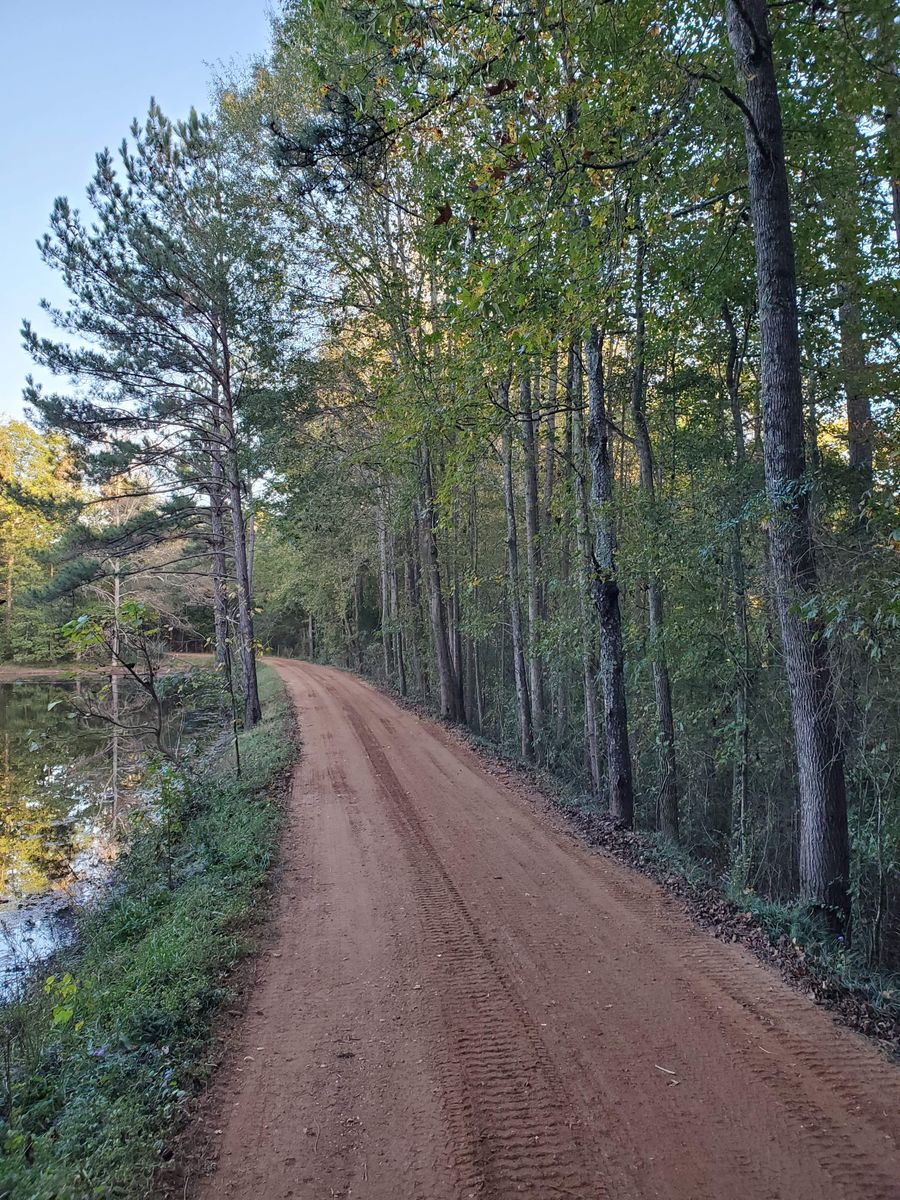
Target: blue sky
column 73, row 74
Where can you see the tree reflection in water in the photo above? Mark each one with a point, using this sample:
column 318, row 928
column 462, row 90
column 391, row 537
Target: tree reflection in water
column 66, row 781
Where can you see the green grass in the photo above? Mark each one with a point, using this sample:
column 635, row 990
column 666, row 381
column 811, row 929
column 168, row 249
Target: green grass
column 100, row 1062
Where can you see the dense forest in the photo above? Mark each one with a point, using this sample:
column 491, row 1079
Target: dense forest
column 539, row 360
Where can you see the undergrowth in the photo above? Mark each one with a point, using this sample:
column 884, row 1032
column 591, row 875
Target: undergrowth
column 100, row 1060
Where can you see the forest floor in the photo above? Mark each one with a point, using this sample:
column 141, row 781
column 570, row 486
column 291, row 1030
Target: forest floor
column 459, row 999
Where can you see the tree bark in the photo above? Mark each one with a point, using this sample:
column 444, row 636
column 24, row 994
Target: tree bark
column 824, row 841
column 565, row 550
column 356, row 634
column 224, row 424
column 475, row 710
column 583, row 534
column 605, row 592
column 859, row 411
column 10, row 568
column 889, row 80
column 455, row 609
column 251, row 537
column 448, row 683
column 850, row 324
column 215, row 492
column 741, row 768
column 399, row 652
column 412, row 576
column 386, row 623
column 550, row 442
column 534, row 564
column 667, row 795
column 520, row 674
column 812, row 419
column 247, row 647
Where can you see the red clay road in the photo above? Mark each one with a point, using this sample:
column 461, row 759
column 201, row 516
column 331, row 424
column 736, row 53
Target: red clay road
column 462, row 1001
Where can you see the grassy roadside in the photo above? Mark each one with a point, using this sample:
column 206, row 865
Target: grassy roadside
column 99, row 1064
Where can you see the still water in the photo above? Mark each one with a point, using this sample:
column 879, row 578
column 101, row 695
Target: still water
column 67, row 777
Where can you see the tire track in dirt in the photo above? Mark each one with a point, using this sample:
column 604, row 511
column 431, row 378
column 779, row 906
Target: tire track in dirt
column 508, row 1117
column 465, row 1002
column 798, row 1080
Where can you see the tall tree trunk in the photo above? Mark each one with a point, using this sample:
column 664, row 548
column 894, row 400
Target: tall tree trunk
column 413, row 594
column 605, row 591
column 215, row 492
column 859, row 411
column 247, row 647
column 10, row 569
column 550, row 441
column 740, row 771
column 812, row 419
column 476, row 713
column 667, row 795
column 889, row 86
column 556, row 683
column 583, row 527
column 448, row 683
column 534, row 564
column 455, row 607
column 520, row 674
column 562, row 714
column 225, row 433
column 114, row 764
column 824, row 841
column 386, row 634
column 399, row 652
column 251, row 536
column 850, row 324
column 478, row 710
column 117, row 606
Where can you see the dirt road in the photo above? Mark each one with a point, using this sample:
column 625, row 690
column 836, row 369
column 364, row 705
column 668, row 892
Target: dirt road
column 461, row 1001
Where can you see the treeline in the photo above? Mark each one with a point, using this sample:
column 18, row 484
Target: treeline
column 558, row 346
column 71, row 546
column 175, row 299
column 36, row 483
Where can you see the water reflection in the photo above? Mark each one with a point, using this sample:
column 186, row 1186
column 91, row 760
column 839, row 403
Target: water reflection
column 65, row 782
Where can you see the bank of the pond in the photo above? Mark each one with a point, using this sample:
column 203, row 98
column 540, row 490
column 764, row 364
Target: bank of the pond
column 99, row 1064
column 70, row 776
column 65, row 668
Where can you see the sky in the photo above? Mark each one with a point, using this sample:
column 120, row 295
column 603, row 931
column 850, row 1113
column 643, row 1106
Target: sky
column 73, row 74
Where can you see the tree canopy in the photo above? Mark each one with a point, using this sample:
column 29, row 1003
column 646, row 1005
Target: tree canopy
column 540, row 360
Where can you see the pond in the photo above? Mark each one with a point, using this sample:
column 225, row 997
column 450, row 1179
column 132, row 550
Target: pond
column 67, row 778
